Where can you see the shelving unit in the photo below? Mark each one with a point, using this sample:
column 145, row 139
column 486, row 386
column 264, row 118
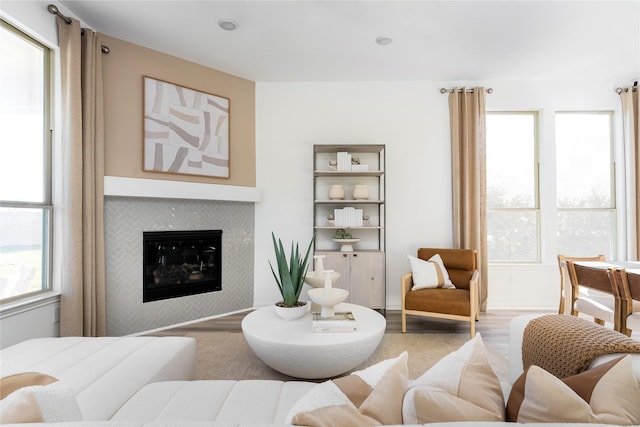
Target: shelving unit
column 363, row 270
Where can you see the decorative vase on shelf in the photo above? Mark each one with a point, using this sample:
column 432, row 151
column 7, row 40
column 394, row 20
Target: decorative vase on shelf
column 360, row 192
column 336, row 192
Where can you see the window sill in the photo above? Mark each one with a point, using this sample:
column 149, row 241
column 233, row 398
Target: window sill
column 25, row 304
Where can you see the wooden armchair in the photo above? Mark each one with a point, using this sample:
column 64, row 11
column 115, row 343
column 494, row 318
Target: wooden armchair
column 626, row 287
column 460, row 303
column 591, row 291
column 564, row 273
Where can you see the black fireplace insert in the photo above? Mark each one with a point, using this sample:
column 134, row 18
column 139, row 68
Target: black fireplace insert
column 181, row 263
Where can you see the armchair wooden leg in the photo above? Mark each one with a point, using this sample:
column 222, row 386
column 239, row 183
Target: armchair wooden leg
column 472, row 328
column 404, row 321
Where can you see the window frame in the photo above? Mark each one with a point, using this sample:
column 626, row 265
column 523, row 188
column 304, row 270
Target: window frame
column 46, row 206
column 613, row 208
column 536, row 191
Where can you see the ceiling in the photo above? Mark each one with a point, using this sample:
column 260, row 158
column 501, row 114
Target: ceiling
column 432, row 40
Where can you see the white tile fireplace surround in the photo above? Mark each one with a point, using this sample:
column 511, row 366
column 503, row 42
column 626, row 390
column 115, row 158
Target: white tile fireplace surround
column 132, row 206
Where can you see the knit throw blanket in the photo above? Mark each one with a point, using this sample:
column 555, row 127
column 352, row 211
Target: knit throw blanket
column 565, row 345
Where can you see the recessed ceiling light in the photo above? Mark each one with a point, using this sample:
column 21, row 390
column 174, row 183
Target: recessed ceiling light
column 384, row 40
column 227, row 24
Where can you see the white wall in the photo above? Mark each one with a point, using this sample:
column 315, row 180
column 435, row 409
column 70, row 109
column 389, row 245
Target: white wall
column 37, row 320
column 33, row 18
column 412, row 119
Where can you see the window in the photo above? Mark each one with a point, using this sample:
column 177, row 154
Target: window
column 585, row 184
column 512, row 187
column 25, row 165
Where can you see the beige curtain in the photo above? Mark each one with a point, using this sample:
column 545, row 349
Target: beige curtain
column 468, row 148
column 631, row 122
column 82, row 311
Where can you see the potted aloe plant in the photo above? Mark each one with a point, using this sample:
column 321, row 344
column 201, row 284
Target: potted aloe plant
column 290, row 278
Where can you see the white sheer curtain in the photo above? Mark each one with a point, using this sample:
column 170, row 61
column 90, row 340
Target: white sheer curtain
column 82, row 303
column 631, row 123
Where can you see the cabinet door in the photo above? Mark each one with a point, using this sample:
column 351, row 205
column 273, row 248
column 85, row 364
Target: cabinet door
column 367, row 279
column 339, row 262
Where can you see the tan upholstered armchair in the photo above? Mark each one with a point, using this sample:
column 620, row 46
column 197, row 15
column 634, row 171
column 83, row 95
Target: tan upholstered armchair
column 460, row 303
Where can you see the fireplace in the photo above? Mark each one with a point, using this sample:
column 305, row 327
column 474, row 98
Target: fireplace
column 181, row 263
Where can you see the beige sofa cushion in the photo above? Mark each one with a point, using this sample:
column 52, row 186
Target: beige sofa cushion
column 607, row 393
column 449, row 390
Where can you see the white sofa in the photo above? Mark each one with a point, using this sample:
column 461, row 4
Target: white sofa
column 105, row 372
column 160, row 402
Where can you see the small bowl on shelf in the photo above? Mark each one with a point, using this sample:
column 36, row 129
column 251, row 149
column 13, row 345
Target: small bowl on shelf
column 316, row 279
column 346, row 244
column 327, row 299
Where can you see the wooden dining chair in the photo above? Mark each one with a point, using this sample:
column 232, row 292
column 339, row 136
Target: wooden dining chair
column 591, row 291
column 562, row 265
column 626, row 287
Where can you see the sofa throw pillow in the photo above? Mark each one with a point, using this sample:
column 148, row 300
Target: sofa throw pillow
column 34, row 397
column 449, row 390
column 607, row 394
column 11, row 383
column 372, row 396
column 429, row 274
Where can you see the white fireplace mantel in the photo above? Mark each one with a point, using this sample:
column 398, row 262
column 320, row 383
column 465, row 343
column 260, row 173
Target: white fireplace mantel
column 139, row 187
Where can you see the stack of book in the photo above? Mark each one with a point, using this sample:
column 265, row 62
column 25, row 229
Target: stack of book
column 348, row 217
column 344, row 161
column 339, row 322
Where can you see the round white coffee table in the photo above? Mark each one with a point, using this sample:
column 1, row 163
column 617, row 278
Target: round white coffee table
column 290, row 347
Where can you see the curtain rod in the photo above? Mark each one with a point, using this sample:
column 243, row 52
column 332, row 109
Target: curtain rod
column 444, row 90
column 53, row 9
column 619, row 90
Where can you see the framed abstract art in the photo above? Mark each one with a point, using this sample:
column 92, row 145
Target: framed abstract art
column 185, row 131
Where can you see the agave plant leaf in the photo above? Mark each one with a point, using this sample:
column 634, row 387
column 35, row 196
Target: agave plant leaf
column 290, row 276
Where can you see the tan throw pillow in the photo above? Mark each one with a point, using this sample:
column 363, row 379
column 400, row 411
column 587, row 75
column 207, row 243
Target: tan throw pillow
column 429, row 274
column 11, row 383
column 372, row 396
column 33, row 397
column 606, row 394
column 462, row 386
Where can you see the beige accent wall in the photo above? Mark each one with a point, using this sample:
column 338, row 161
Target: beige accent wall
column 124, row 68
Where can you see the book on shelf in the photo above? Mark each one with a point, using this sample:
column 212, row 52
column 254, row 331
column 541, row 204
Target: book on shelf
column 344, row 161
column 339, row 322
column 348, row 217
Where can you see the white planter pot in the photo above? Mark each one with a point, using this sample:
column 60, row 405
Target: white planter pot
column 291, row 313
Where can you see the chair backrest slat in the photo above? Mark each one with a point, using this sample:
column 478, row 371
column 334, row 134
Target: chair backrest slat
column 594, row 277
column 633, row 279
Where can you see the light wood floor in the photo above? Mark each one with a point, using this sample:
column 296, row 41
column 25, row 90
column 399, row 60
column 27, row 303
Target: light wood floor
column 493, row 326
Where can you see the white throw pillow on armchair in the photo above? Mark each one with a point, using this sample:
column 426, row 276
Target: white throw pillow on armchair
column 429, row 274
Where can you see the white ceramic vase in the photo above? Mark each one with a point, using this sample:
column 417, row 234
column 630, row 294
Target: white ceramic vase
column 336, row 192
column 360, row 192
column 290, row 313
